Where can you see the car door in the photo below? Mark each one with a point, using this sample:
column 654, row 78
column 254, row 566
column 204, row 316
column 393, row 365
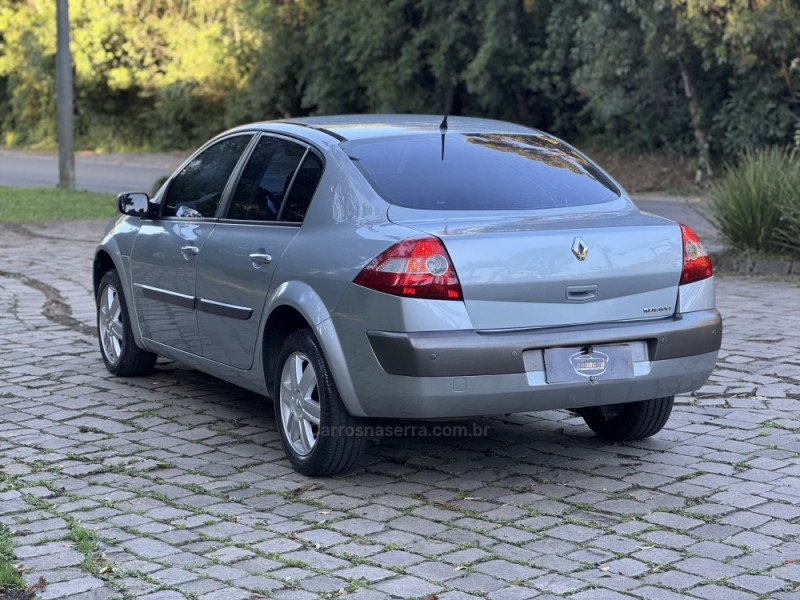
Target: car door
column 164, row 254
column 241, row 254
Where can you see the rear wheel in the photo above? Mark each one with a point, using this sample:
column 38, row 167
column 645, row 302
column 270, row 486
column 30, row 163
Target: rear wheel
column 629, row 422
column 318, row 435
column 120, row 353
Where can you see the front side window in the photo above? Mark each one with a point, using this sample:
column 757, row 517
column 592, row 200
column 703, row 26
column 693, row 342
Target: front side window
column 197, row 190
column 266, row 180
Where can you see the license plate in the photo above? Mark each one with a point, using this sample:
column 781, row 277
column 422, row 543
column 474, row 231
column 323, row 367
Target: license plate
column 594, row 363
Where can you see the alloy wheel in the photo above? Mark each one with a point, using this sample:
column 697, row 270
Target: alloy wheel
column 110, row 324
column 299, row 401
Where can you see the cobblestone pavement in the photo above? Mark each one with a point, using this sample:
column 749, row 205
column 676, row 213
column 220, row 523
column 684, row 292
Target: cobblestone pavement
column 175, row 486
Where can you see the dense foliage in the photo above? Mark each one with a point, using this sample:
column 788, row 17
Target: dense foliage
column 706, row 78
column 755, row 205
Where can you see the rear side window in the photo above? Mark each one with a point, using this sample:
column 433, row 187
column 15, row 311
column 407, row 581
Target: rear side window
column 303, row 188
column 266, row 179
column 196, row 191
column 480, row 171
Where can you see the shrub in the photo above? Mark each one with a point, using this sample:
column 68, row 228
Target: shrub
column 756, row 204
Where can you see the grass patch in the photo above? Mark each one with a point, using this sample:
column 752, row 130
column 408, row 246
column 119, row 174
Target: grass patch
column 9, row 576
column 51, row 204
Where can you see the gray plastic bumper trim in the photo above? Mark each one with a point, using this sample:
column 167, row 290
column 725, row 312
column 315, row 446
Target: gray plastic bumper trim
column 467, row 352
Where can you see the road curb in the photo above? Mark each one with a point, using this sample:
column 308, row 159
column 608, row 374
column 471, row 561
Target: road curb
column 740, row 264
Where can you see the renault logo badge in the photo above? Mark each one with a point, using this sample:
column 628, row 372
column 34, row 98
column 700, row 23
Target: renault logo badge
column 580, row 248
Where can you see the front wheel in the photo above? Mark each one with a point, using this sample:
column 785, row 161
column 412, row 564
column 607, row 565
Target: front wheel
column 318, row 435
column 120, row 353
column 629, row 422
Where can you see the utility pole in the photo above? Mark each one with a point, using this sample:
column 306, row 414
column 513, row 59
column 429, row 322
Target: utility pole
column 64, row 101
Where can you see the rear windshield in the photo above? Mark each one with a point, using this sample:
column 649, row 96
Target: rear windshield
column 480, row 171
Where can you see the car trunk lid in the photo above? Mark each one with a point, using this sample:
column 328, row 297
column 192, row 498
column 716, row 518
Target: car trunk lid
column 559, row 267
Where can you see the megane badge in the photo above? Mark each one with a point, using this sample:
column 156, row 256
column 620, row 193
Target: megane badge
column 580, row 248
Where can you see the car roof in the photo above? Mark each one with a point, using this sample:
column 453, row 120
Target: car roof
column 361, row 127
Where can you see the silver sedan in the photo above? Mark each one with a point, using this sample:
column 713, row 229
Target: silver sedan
column 401, row 266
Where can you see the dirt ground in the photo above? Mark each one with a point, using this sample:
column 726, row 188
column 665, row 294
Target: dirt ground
column 648, row 172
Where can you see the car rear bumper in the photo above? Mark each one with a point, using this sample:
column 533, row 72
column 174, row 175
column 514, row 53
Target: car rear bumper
column 465, row 353
column 467, row 373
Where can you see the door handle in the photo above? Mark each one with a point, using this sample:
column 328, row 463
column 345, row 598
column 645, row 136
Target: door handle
column 260, row 259
column 188, row 251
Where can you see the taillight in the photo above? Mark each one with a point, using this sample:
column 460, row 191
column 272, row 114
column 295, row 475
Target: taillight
column 696, row 263
column 415, row 268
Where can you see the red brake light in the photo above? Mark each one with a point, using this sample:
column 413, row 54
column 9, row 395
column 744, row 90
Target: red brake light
column 415, row 268
column 696, row 263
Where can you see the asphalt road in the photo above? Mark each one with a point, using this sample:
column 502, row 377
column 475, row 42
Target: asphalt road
column 115, row 173
column 112, row 173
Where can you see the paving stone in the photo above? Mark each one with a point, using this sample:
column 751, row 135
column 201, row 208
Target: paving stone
column 149, row 548
column 396, row 558
column 477, row 582
column 790, row 572
column 758, row 584
column 66, row 589
column 508, row 571
column 513, row 592
column 226, row 594
column 654, row 593
column 717, row 592
column 358, row 526
column 437, row 571
column 601, row 594
column 417, row 525
column 714, row 550
column 323, row 584
column 407, row 586
column 674, row 579
column 557, row 584
column 260, row 584
column 174, row 576
column 707, row 568
column 369, row 573
column 466, row 556
column 163, row 595
column 223, row 573
column 626, row 566
column 184, row 479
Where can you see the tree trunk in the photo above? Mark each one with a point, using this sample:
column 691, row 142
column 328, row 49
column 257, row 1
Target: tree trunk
column 700, row 133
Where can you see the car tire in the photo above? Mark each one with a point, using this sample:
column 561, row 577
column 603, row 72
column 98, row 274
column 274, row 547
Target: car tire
column 121, row 355
column 318, row 435
column 631, row 421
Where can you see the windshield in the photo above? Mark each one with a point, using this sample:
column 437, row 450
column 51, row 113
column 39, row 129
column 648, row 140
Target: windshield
column 480, row 171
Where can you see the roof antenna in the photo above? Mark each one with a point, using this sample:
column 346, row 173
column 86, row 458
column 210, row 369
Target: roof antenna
column 448, row 104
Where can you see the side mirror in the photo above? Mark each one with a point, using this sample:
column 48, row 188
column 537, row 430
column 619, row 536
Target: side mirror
column 134, row 204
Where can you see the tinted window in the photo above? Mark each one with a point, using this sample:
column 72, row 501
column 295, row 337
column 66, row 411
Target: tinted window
column 303, row 188
column 265, row 180
column 480, row 172
column 197, row 189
